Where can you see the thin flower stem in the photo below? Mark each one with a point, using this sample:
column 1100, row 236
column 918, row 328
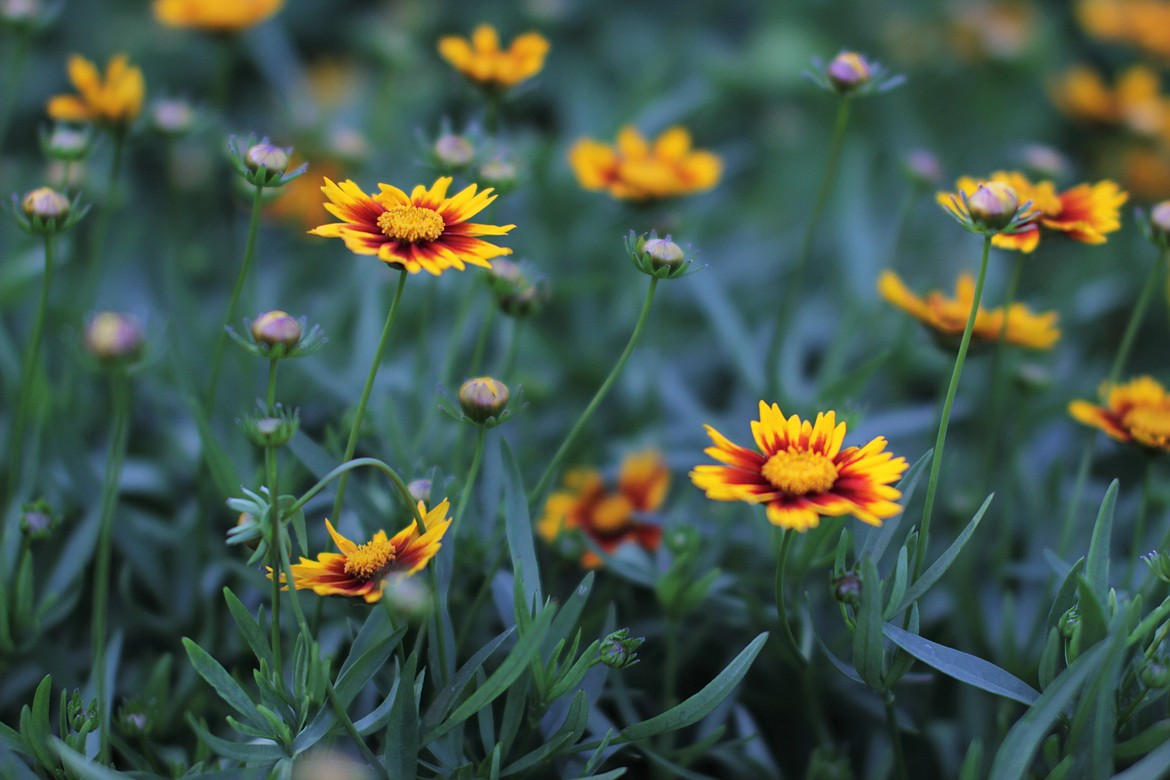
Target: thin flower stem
column 15, row 72
column 784, row 539
column 234, row 302
column 270, row 395
column 469, row 480
column 1136, row 317
column 944, row 422
column 102, row 226
column 346, row 467
column 355, row 430
column 598, row 397
column 120, row 391
column 275, row 536
column 895, row 736
column 1139, row 528
column 509, row 361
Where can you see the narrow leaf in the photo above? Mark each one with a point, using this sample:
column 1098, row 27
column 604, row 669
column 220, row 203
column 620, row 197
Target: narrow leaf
column 224, row 684
column 937, row 569
column 1097, row 561
column 402, row 730
column 248, row 626
column 518, row 528
column 868, row 648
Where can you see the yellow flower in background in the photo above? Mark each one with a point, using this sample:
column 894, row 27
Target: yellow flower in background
column 483, row 62
column 800, row 472
column 635, row 169
column 947, row 317
column 609, row 518
column 221, row 16
column 1141, row 23
column 114, row 100
column 1137, row 101
column 425, row 231
column 1138, row 411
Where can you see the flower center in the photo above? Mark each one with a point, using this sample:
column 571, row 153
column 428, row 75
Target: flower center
column 800, row 473
column 370, row 559
column 1150, row 425
column 411, row 224
column 611, row 515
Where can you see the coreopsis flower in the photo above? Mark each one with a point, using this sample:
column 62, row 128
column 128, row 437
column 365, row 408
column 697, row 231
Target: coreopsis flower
column 1136, row 102
column 1141, row 23
column 114, row 100
column 801, row 473
column 1138, row 411
column 609, row 518
column 635, row 169
column 947, row 317
column 360, row 570
column 217, row 16
column 425, row 231
column 484, row 63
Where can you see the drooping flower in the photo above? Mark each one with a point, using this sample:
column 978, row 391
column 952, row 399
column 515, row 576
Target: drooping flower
column 425, row 231
column 114, row 100
column 947, row 317
column 217, row 16
column 801, row 473
column 362, row 569
column 636, row 170
column 1138, row 411
column 609, row 518
column 483, row 62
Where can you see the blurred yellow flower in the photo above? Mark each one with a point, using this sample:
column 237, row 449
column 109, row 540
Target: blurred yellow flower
column 220, row 16
column 1138, row 411
column 1137, row 101
column 636, row 170
column 1141, row 23
column 115, row 100
column 482, row 61
column 948, row 316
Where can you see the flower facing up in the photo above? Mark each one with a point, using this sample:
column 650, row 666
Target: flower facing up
column 635, row 169
column 609, row 518
column 360, row 570
column 947, row 317
column 1138, row 411
column 217, row 16
column 484, row 63
column 800, row 472
column 115, row 100
column 425, row 231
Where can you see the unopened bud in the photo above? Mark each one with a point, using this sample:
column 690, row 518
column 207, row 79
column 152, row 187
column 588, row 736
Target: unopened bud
column 664, row 253
column 847, row 588
column 37, row 521
column 922, row 168
column 1044, row 161
column 248, row 530
column 420, row 490
column 66, row 143
column 272, row 430
column 848, row 71
column 453, row 151
column 264, row 155
column 483, row 398
column 20, row 13
column 619, row 649
column 1154, row 673
column 114, row 338
column 993, row 205
column 276, row 329
column 1160, row 221
column 46, row 203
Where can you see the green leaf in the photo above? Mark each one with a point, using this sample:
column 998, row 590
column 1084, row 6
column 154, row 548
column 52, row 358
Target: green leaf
column 12, row 767
column 35, row 726
column 1143, row 743
column 85, row 769
column 1094, row 721
column 446, row 698
column 1152, row 767
column 248, row 626
column 252, row 752
column 401, row 754
column 1097, row 561
column 1066, row 596
column 868, row 648
column 964, row 667
column 937, row 569
column 898, row 588
column 518, row 528
column 224, row 684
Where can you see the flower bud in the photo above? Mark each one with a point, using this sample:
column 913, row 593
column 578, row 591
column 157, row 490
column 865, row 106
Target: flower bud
column 247, row 530
column 664, row 253
column 922, row 168
column 1159, row 563
column 46, row 203
column 499, row 174
column 1069, row 623
column 132, row 719
column 20, row 13
column 619, row 649
column 114, row 338
column 264, row 155
column 273, row 429
column 276, row 329
column 847, row 588
column 37, row 521
column 1154, row 672
column 172, row 116
column 420, row 490
column 483, row 398
column 993, row 205
column 1160, row 221
column 66, row 143
column 453, row 151
column 848, row 71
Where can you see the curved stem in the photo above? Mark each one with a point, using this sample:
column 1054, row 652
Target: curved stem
column 944, row 422
column 469, row 480
column 1136, row 317
column 784, row 539
column 355, row 430
column 598, row 397
column 347, row 467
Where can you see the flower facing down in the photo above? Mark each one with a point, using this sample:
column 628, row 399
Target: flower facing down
column 425, row 231
column 483, row 62
column 800, row 472
column 1135, row 412
column 362, row 569
column 635, row 169
column 947, row 317
column 114, row 100
column 219, row 16
column 609, row 518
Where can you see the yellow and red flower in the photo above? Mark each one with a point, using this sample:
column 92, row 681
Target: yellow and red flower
column 360, row 570
column 114, row 100
column 483, row 62
column 425, row 231
column 609, row 518
column 1136, row 102
column 947, row 317
column 218, row 16
column 1138, row 411
column 801, row 473
column 636, row 170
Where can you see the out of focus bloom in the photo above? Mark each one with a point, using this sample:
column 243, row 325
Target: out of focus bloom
column 277, row 328
column 947, row 317
column 991, row 29
column 606, row 517
column 484, row 63
column 635, row 169
column 848, row 71
column 1160, row 223
column 217, row 16
column 1138, row 411
column 800, row 472
column 518, row 293
column 114, row 338
column 360, row 570
column 115, row 100
column 1141, row 23
column 44, row 211
column 425, row 231
column 1136, row 102
column 483, row 398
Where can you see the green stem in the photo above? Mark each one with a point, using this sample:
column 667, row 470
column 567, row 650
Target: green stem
column 120, row 388
column 15, row 73
column 469, row 480
column 275, row 537
column 944, row 422
column 509, row 361
column 355, row 430
column 902, row 218
column 102, row 225
column 598, row 397
column 1070, row 517
column 237, row 292
column 895, row 736
column 670, row 665
column 784, row 539
column 1136, row 317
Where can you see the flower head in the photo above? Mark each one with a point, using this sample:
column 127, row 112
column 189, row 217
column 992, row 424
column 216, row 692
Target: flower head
column 801, row 473
column 112, row 337
column 115, row 100
column 483, row 398
column 425, row 231
column 361, row 569
column 948, row 316
column 218, row 16
column 607, row 517
column 1138, row 411
column 1136, row 102
column 483, row 62
column 848, row 71
column 635, row 169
